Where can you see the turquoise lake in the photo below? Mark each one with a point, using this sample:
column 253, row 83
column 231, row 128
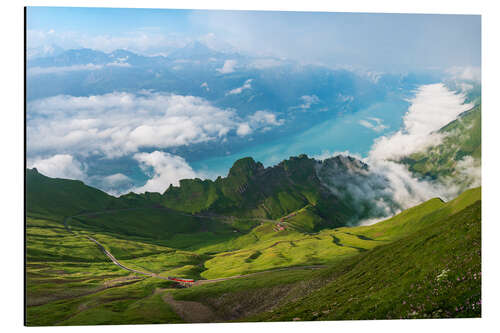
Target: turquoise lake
column 339, row 134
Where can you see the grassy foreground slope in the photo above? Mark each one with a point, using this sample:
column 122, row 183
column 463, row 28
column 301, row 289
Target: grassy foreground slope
column 431, row 269
column 67, row 274
column 424, row 262
column 433, row 273
column 263, row 249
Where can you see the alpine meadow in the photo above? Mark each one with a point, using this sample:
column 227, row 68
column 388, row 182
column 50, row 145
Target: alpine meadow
column 208, row 166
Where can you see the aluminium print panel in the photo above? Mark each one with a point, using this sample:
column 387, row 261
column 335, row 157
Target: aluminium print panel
column 199, row 166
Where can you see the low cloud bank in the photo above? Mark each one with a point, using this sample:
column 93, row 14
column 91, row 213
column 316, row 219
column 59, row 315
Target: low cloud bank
column 164, row 169
column 74, row 68
column 368, row 194
column 468, row 73
column 59, row 166
column 433, row 107
column 119, row 123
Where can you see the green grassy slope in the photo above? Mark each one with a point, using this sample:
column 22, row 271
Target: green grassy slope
column 71, row 282
column 133, row 217
column 431, row 270
column 156, row 225
column 415, row 218
column 134, row 301
column 66, row 274
column 64, row 197
column 432, row 273
column 264, row 249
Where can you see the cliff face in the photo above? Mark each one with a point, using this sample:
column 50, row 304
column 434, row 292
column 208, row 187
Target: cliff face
column 327, row 187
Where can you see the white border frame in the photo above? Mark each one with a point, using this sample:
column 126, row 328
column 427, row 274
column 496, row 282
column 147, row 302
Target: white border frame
column 13, row 147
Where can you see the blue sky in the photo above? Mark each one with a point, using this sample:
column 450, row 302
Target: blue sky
column 106, row 20
column 380, row 41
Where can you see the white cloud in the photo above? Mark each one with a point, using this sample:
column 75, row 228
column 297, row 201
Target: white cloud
column 468, row 73
column 373, row 123
column 246, row 85
column 59, row 166
column 327, row 154
column 205, row 85
column 371, row 221
column 42, row 51
column 262, row 118
column 407, row 190
column 112, row 184
column 228, row 67
column 120, row 124
column 432, row 107
column 73, row 68
column 259, row 120
column 115, row 180
column 307, row 102
column 465, row 87
column 373, row 76
column 345, row 98
column 118, row 64
column 367, row 192
column 62, row 69
column 212, row 41
column 164, row 168
column 243, row 129
column 469, row 171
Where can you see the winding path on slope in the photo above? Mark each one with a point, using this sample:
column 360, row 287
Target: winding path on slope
column 198, row 282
